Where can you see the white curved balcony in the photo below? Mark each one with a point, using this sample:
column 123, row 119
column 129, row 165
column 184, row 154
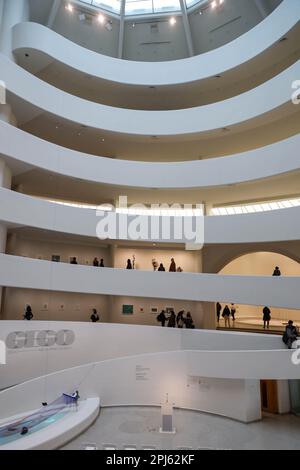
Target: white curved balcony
column 52, row 46
column 131, row 341
column 260, row 106
column 17, row 209
column 27, row 273
column 273, row 160
column 222, row 373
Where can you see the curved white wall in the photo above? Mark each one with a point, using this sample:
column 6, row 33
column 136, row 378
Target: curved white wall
column 29, row 273
column 106, row 341
column 21, row 210
column 218, row 61
column 272, row 160
column 263, row 102
column 229, row 381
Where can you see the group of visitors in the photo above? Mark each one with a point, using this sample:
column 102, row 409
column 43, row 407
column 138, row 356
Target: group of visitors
column 172, row 268
column 96, row 262
column 172, row 320
column 227, row 313
column 28, row 315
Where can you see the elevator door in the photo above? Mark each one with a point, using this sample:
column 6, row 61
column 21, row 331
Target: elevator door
column 269, row 396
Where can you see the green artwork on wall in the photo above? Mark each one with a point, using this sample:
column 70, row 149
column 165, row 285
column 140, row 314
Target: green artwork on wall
column 127, row 310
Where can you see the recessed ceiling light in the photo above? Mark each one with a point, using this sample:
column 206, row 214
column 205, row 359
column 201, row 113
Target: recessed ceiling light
column 172, row 21
column 101, row 18
column 69, row 7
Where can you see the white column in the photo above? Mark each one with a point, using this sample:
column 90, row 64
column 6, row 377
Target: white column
column 207, row 208
column 53, row 13
column 14, row 12
column 187, row 28
column 121, row 30
column 209, row 316
column 7, row 115
column 5, row 182
column 1, row 11
column 261, row 8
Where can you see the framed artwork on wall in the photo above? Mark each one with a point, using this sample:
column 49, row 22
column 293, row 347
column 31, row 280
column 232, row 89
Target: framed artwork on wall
column 127, row 310
column 45, row 307
column 56, row 258
column 61, row 307
column 142, row 309
column 154, row 310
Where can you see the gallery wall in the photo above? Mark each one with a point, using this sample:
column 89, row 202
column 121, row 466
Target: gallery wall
column 263, row 264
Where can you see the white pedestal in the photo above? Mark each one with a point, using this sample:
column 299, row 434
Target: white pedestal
column 167, row 419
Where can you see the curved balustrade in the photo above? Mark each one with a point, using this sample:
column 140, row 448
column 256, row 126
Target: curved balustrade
column 269, row 101
column 27, row 273
column 219, row 61
column 147, row 378
column 131, row 340
column 21, row 210
column 269, row 161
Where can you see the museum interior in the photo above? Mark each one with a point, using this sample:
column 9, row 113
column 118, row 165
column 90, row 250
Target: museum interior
column 149, row 224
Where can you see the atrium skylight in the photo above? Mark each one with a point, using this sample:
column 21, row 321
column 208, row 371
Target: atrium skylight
column 141, row 7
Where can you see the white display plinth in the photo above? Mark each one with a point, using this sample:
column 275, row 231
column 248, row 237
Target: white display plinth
column 167, row 418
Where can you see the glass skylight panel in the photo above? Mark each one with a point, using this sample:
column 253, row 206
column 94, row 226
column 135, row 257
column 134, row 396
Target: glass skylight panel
column 110, row 5
column 138, row 7
column 191, row 3
column 251, row 208
column 161, row 6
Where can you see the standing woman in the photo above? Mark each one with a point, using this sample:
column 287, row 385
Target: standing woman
column 129, row 265
column 172, row 321
column 172, row 266
column 28, row 315
column 266, row 317
column 226, row 316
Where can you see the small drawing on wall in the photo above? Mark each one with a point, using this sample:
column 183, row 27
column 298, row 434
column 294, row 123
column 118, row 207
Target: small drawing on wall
column 61, row 307
column 45, row 307
column 127, row 310
column 142, row 309
column 154, row 310
column 56, row 258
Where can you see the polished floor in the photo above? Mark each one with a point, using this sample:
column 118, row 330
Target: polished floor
column 137, row 426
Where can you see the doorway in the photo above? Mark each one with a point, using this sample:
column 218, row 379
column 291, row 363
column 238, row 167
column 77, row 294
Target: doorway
column 269, row 396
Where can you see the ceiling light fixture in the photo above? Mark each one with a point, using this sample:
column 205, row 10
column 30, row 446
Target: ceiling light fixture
column 69, row 7
column 172, row 21
column 101, row 18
